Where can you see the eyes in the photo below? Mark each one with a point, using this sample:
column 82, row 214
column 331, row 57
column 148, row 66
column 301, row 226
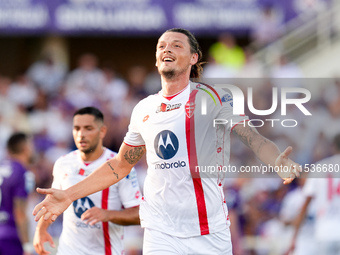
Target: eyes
column 87, row 128
column 175, row 45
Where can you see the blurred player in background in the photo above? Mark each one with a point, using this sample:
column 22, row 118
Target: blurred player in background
column 92, row 224
column 325, row 191
column 180, row 214
column 15, row 184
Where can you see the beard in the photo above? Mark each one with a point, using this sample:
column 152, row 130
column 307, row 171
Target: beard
column 169, row 74
column 89, row 150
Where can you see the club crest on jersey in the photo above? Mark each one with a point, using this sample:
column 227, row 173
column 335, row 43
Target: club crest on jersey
column 167, row 107
column 190, row 108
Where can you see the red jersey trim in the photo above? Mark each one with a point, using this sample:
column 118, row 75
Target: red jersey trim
column 107, row 242
column 133, row 145
column 171, row 97
column 191, row 147
column 237, row 124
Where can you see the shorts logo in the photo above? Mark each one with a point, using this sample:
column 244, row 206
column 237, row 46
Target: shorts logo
column 167, row 107
column 81, row 205
column 166, row 144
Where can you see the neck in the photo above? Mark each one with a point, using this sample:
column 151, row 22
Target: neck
column 22, row 159
column 92, row 156
column 172, row 86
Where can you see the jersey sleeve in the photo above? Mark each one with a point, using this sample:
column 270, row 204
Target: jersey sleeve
column 133, row 136
column 20, row 183
column 226, row 112
column 56, row 184
column 129, row 191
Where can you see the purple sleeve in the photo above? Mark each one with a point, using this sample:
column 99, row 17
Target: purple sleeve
column 19, row 182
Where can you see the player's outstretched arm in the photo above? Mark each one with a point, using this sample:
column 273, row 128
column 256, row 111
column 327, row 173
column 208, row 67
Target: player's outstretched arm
column 125, row 217
column 297, row 224
column 268, row 152
column 109, row 173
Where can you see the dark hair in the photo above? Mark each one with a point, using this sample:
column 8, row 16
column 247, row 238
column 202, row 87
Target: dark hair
column 15, row 144
column 336, row 142
column 197, row 69
column 98, row 115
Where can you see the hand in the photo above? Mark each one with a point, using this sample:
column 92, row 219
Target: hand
column 95, row 215
column 40, row 237
column 54, row 204
column 287, row 169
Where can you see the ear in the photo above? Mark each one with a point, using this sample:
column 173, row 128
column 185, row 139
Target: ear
column 156, row 63
column 194, row 59
column 103, row 131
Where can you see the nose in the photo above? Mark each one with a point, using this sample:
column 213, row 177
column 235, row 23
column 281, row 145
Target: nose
column 81, row 133
column 167, row 48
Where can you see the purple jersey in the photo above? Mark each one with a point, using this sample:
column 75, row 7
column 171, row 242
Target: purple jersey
column 12, row 185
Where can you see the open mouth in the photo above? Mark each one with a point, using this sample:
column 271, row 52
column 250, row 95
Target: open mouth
column 83, row 143
column 168, row 59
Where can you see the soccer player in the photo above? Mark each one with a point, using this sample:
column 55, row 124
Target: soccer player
column 325, row 191
column 93, row 224
column 180, row 214
column 15, row 181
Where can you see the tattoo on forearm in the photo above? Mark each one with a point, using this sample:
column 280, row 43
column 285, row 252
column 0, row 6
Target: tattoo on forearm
column 112, row 169
column 132, row 156
column 250, row 137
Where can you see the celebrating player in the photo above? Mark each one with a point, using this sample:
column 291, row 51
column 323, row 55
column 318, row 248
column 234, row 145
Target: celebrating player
column 15, row 181
column 181, row 213
column 93, row 224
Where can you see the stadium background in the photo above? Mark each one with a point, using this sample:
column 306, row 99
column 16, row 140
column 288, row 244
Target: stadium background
column 42, row 82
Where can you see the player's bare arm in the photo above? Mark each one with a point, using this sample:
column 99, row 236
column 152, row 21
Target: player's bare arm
column 125, row 217
column 41, row 236
column 134, row 154
column 267, row 151
column 57, row 201
column 21, row 220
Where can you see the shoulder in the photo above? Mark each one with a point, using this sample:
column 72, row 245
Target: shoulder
column 109, row 153
column 146, row 101
column 329, row 160
column 71, row 156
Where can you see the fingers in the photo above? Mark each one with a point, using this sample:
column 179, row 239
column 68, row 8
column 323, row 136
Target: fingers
column 291, row 177
column 287, row 151
column 92, row 216
column 38, row 211
column 40, row 249
column 51, row 242
column 90, row 219
column 47, row 215
column 54, row 217
column 44, row 191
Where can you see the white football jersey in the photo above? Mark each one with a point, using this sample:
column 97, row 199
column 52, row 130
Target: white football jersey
column 326, row 194
column 103, row 237
column 178, row 139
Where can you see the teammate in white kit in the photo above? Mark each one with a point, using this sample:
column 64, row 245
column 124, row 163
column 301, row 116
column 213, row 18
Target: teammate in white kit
column 93, row 224
column 324, row 189
column 180, row 214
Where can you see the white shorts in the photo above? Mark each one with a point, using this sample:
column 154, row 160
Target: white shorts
column 156, row 242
